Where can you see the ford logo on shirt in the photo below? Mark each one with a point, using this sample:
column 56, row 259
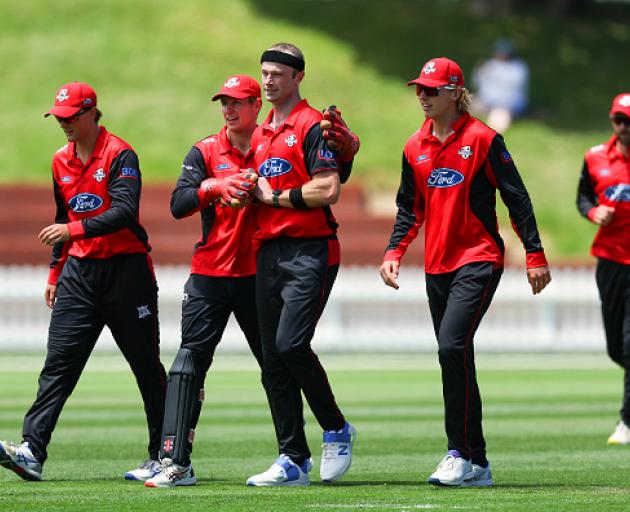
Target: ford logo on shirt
column 274, row 167
column 444, row 177
column 85, row 202
column 619, row 192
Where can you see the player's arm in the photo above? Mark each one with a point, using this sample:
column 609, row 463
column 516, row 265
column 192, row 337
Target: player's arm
column 322, row 189
column 521, row 211
column 59, row 249
column 587, row 203
column 185, row 197
column 409, row 218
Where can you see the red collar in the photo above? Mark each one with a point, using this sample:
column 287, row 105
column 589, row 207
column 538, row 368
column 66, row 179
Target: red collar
column 98, row 148
column 289, row 121
column 427, row 127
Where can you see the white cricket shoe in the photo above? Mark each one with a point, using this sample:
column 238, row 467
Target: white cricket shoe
column 283, row 472
column 20, row 459
column 452, row 471
column 172, row 475
column 481, row 477
column 621, row 435
column 337, row 453
column 148, row 469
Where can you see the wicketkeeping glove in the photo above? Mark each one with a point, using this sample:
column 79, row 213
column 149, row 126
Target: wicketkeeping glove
column 338, row 136
column 232, row 190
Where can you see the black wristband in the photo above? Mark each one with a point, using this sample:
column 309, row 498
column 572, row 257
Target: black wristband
column 275, row 198
column 295, row 196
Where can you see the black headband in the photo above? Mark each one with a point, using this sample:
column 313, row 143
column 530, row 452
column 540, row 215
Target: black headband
column 282, row 58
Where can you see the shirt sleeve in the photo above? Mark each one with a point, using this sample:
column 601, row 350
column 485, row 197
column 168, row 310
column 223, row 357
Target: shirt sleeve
column 59, row 250
column 586, row 197
column 185, row 199
column 410, row 216
column 516, row 198
column 123, row 186
column 317, row 156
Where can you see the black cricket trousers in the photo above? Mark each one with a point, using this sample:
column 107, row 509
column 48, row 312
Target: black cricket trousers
column 457, row 301
column 120, row 292
column 613, row 282
column 293, row 282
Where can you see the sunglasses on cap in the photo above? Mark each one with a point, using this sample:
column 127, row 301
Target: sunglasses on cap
column 74, row 118
column 618, row 119
column 433, row 91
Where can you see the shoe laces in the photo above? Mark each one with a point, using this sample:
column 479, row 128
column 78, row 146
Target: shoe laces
column 447, row 462
column 330, row 450
column 148, row 464
column 172, row 470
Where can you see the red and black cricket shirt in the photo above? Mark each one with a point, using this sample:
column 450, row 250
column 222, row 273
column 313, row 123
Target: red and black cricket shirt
column 288, row 157
column 605, row 179
column 451, row 188
column 99, row 201
column 225, row 247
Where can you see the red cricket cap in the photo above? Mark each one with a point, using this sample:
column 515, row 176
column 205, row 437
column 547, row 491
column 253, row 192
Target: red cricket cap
column 239, row 87
column 438, row 72
column 621, row 104
column 71, row 98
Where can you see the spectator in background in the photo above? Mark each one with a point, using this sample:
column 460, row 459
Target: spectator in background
column 502, row 84
column 604, row 198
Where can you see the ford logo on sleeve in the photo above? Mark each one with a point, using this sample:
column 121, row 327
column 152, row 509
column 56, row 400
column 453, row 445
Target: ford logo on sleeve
column 85, row 202
column 274, row 167
column 444, row 177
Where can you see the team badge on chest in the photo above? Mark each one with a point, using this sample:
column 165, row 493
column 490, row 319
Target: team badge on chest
column 465, row 152
column 291, row 140
column 99, row 175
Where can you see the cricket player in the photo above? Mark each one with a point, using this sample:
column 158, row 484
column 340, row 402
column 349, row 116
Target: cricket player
column 100, row 275
column 451, row 169
column 216, row 180
column 603, row 197
column 299, row 179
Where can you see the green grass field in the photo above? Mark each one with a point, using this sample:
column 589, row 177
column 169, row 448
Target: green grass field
column 547, row 418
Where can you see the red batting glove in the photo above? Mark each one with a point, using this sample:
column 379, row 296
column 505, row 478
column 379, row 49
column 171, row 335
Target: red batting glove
column 338, row 136
column 231, row 190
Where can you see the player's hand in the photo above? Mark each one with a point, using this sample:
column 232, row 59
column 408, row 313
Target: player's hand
column 603, row 214
column 263, row 191
column 338, row 136
column 538, row 278
column 50, row 293
column 389, row 273
column 232, row 190
column 54, row 234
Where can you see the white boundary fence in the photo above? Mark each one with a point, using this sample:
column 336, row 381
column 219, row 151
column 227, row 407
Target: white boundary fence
column 362, row 314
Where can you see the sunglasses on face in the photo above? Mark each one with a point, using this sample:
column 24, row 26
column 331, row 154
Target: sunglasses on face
column 621, row 120
column 433, row 91
column 74, row 118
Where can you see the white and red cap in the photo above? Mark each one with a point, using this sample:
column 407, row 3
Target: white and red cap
column 239, row 87
column 439, row 72
column 621, row 104
column 71, row 98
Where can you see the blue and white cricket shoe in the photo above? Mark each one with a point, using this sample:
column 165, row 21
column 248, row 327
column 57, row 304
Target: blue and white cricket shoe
column 337, row 453
column 20, row 459
column 283, row 472
column 482, row 477
column 145, row 471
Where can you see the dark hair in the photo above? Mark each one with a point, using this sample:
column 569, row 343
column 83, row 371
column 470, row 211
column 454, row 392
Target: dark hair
column 98, row 116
